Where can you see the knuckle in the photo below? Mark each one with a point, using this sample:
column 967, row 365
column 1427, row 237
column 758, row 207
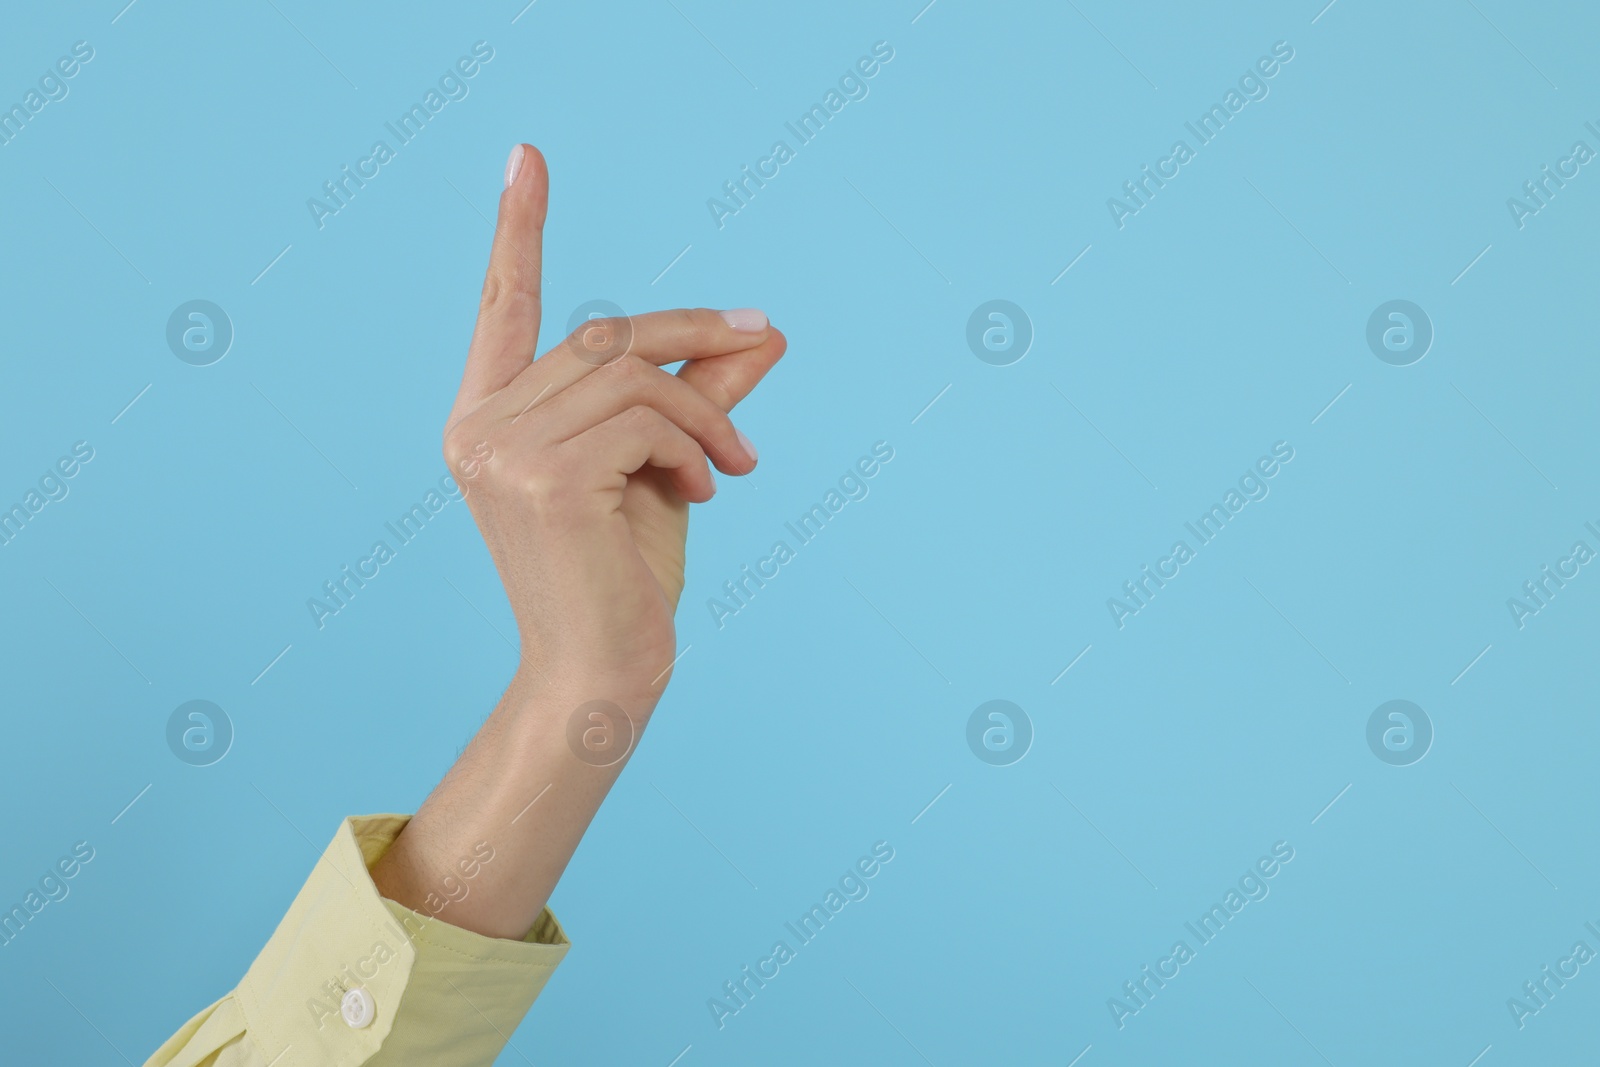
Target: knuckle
column 458, row 444
column 601, row 341
column 640, row 418
column 594, row 331
column 494, row 288
column 544, row 482
column 539, row 484
column 631, row 372
column 505, row 293
column 700, row 323
column 468, row 453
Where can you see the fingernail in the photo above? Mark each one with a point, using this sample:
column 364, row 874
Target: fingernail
column 745, row 443
column 713, row 475
column 746, row 320
column 514, row 165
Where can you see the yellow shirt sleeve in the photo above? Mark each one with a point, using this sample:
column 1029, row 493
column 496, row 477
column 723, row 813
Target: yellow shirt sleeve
column 351, row 978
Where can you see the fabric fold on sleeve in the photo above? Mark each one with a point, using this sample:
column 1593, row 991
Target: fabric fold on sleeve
column 420, row 990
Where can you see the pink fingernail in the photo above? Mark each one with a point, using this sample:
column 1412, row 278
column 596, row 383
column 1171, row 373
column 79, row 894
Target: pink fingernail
column 514, row 165
column 745, row 441
column 745, row 320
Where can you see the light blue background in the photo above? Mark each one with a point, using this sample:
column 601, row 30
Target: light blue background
column 1177, row 750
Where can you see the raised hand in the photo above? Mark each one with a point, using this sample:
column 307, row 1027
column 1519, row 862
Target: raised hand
column 594, row 453
column 579, row 467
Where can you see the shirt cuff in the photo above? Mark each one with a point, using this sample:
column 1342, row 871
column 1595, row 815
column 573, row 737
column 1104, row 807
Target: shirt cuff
column 439, row 994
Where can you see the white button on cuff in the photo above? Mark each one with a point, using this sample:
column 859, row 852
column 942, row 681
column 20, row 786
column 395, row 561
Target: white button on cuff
column 358, row 1008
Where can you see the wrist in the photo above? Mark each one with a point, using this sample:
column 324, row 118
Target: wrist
column 597, row 718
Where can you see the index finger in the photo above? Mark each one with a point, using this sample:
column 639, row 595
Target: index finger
column 508, row 313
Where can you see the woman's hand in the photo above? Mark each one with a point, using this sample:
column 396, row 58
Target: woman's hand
column 579, row 466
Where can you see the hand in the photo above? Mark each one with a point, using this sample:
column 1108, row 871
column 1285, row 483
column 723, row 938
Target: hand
column 596, row 453
column 579, row 468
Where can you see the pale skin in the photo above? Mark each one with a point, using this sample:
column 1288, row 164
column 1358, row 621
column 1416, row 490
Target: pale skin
column 579, row 468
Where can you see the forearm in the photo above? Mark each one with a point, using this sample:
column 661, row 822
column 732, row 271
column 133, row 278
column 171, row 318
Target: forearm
column 522, row 789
